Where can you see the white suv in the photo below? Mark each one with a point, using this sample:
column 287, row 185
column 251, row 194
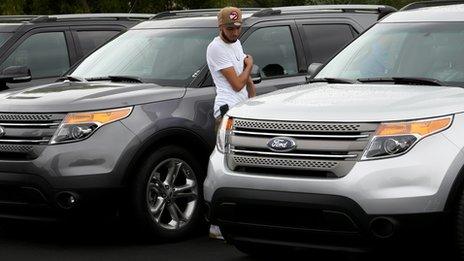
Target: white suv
column 372, row 148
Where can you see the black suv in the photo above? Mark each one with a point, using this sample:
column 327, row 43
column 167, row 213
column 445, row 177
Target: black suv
column 130, row 128
column 49, row 45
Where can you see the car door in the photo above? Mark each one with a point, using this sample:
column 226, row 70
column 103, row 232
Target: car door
column 277, row 49
column 323, row 38
column 44, row 51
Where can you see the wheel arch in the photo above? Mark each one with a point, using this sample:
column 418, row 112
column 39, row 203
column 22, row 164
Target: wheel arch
column 185, row 138
column 454, row 194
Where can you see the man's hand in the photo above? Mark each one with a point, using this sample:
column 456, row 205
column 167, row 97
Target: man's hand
column 251, row 88
column 248, row 60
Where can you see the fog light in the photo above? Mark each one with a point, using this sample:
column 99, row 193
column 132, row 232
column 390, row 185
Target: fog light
column 67, row 200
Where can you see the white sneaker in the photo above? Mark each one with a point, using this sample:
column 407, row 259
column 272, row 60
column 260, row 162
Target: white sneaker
column 215, row 232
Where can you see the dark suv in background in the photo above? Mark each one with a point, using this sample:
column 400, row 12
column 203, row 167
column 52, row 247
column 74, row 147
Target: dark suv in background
column 130, row 128
column 49, row 45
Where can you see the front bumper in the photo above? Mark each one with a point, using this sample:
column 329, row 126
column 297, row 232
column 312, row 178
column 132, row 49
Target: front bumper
column 92, row 170
column 315, row 221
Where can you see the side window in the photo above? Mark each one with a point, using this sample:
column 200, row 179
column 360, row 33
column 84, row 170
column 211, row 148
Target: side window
column 273, row 51
column 90, row 40
column 324, row 40
column 45, row 54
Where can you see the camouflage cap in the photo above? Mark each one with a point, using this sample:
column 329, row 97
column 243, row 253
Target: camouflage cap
column 230, row 16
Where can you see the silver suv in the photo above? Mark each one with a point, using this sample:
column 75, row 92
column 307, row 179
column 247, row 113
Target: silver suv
column 371, row 149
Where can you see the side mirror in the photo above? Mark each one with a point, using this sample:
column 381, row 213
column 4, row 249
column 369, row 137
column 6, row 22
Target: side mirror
column 312, row 70
column 15, row 74
column 255, row 74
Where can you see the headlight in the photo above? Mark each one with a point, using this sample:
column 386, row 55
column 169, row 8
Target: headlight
column 223, row 133
column 394, row 139
column 80, row 125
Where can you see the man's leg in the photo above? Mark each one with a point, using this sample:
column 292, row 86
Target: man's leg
column 214, row 231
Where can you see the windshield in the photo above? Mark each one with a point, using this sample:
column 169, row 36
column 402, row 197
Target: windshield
column 4, row 37
column 422, row 50
column 162, row 56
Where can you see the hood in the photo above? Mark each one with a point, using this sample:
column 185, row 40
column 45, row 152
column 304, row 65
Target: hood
column 353, row 103
column 85, row 96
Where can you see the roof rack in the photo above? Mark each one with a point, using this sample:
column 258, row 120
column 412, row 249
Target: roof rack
column 197, row 12
column 423, row 4
column 382, row 10
column 74, row 17
column 16, row 18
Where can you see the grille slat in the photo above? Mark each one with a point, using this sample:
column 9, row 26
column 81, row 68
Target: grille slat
column 15, row 148
column 302, row 126
column 282, row 162
column 302, row 155
column 360, row 136
column 25, row 117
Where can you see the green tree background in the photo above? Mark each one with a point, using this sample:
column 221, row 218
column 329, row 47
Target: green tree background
column 21, row 7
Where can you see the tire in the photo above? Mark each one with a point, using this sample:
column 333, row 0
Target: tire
column 459, row 227
column 165, row 197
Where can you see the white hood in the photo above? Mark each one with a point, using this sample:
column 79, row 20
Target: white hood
column 353, row 103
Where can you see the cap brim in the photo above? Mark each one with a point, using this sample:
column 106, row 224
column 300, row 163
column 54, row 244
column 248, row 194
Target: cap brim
column 236, row 24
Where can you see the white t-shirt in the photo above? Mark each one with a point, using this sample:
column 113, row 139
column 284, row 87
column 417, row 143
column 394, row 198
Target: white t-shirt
column 221, row 55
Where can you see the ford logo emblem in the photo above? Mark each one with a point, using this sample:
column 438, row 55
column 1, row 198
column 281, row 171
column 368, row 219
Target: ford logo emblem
column 281, row 144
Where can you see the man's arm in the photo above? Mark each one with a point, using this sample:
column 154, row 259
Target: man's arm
column 240, row 81
column 251, row 88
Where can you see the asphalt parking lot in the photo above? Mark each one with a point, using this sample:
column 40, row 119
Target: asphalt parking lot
column 108, row 241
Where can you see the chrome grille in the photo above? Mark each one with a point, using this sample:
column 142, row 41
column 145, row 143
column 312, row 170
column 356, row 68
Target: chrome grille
column 325, row 147
column 27, row 134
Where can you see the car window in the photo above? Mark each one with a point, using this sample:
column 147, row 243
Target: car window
column 45, row 54
column 4, row 37
column 90, row 40
column 324, row 40
column 273, row 51
column 420, row 50
column 168, row 56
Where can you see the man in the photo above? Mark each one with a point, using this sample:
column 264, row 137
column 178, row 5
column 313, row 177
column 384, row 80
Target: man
column 229, row 66
column 230, row 69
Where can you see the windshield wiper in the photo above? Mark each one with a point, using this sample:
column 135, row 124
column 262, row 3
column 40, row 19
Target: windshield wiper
column 70, row 78
column 333, row 80
column 405, row 80
column 116, row 78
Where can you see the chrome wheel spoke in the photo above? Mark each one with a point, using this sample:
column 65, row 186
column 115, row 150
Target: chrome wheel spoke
column 173, row 213
column 184, row 188
column 189, row 195
column 158, row 209
column 172, row 173
column 180, row 214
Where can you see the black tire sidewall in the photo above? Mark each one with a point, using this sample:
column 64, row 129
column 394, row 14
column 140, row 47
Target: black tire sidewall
column 139, row 211
column 459, row 227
